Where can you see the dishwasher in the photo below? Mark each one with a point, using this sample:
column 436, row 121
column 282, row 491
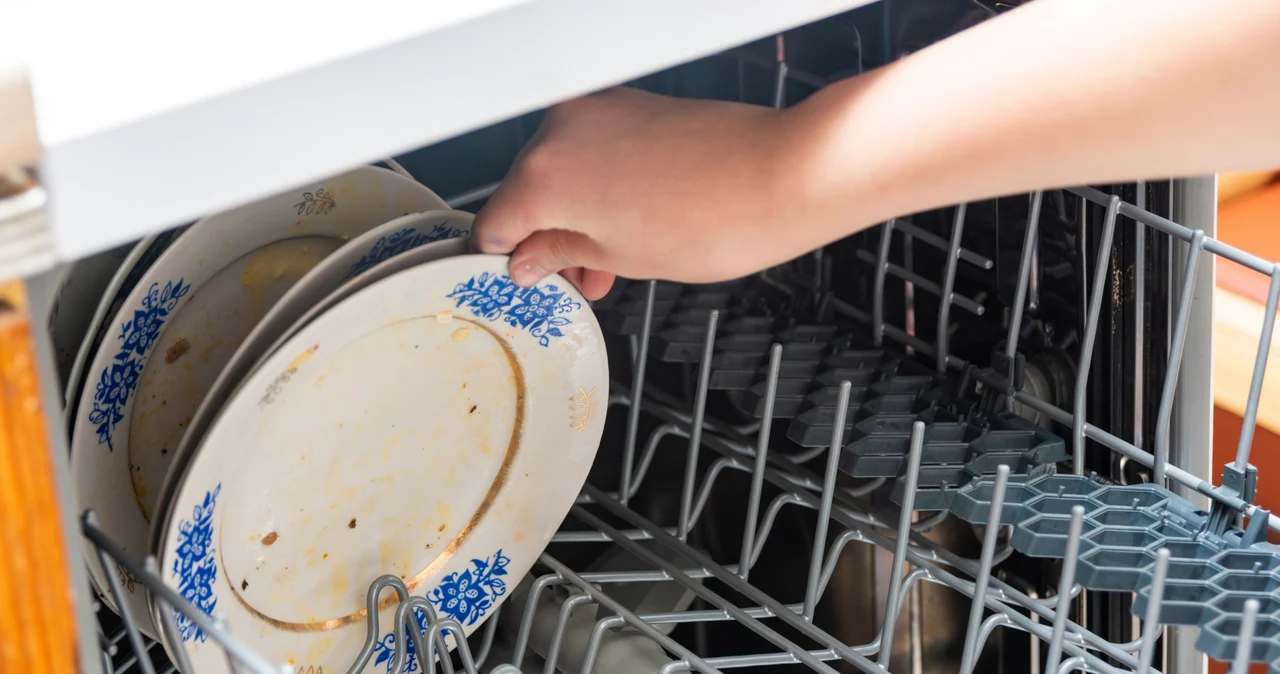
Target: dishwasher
column 970, row 439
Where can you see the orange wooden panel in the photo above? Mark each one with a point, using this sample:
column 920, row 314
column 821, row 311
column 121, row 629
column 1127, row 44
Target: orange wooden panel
column 37, row 628
column 1250, row 223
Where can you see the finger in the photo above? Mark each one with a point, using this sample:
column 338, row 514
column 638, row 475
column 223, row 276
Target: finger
column 595, row 284
column 574, row 276
column 504, row 221
column 548, row 251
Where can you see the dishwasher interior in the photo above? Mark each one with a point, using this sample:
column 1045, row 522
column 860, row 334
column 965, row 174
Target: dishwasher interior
column 903, row 452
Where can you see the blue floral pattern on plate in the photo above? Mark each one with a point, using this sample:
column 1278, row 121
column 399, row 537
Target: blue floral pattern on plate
column 196, row 568
column 117, row 380
column 542, row 310
column 391, row 245
column 466, row 596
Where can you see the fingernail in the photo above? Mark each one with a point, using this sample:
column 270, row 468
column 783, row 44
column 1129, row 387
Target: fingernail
column 525, row 274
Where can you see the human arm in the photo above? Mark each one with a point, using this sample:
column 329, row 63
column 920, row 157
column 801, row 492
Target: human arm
column 1056, row 93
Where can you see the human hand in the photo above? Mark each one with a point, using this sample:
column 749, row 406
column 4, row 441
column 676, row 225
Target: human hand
column 646, row 186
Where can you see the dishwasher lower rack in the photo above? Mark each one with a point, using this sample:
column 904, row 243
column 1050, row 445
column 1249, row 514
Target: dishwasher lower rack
column 1185, row 566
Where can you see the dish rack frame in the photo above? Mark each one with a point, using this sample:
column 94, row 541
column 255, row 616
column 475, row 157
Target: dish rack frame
column 842, row 517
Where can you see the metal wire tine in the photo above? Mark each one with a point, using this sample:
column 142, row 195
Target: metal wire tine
column 122, row 605
column 622, row 612
column 221, row 623
column 971, row 304
column 762, row 451
column 695, row 428
column 435, row 639
column 597, row 635
column 637, row 393
column 1175, row 358
column 1063, row 608
column 780, row 84
column 948, row 289
column 530, row 610
column 984, row 569
column 486, row 639
column 650, row 449
column 557, row 636
column 877, row 295
column 168, row 624
column 824, row 509
column 1091, row 336
column 1074, row 664
column 935, row 241
column 406, row 625
column 731, row 580
column 160, row 591
column 1151, row 622
column 904, row 537
column 371, row 624
column 1029, row 243
column 1139, row 320
column 1244, row 644
column 472, row 196
column 1259, row 370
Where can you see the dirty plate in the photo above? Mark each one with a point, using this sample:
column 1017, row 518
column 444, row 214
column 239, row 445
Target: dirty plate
column 191, row 310
column 418, row 256
column 437, row 234
column 436, row 426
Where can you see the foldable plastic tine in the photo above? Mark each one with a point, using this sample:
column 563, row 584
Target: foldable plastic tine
column 695, row 429
column 1091, row 336
column 882, row 271
column 1259, row 369
column 824, row 509
column 1244, row 645
column 1063, row 607
column 904, row 537
column 757, row 473
column 1029, row 243
column 984, row 570
column 1175, row 358
column 948, row 289
column 122, row 604
column 637, row 392
column 1151, row 622
column 168, row 624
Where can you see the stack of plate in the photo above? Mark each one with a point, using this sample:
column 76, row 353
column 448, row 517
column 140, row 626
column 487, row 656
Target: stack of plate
column 290, row 399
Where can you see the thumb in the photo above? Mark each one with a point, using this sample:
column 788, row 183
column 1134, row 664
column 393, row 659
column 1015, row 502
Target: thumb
column 548, row 251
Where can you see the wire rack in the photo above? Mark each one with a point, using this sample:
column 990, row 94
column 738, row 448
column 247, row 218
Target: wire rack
column 574, row 619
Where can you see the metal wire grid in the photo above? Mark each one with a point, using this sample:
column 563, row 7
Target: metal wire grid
column 842, row 516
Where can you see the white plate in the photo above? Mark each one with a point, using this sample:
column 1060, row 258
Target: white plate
column 418, row 256
column 439, row 233
column 437, row 426
column 140, row 258
column 193, row 307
